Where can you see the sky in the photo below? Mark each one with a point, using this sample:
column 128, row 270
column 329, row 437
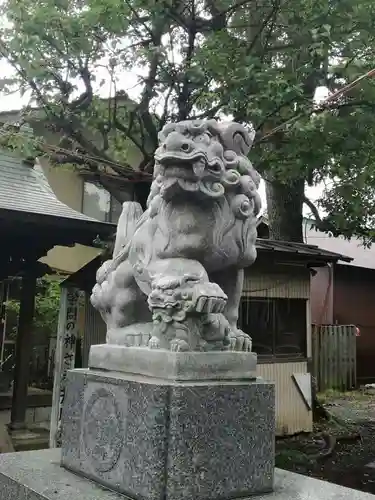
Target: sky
column 129, row 83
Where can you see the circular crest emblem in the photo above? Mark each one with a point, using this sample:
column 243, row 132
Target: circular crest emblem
column 103, row 430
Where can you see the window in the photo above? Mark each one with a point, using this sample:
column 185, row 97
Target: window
column 277, row 326
column 99, row 204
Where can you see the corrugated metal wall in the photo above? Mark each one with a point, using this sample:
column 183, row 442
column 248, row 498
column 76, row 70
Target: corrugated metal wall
column 292, row 414
column 94, row 330
column 293, row 284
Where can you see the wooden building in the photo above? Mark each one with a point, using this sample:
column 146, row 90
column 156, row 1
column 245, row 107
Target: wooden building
column 32, row 222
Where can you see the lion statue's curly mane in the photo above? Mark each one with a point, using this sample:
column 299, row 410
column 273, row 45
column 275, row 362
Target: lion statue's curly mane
column 184, row 256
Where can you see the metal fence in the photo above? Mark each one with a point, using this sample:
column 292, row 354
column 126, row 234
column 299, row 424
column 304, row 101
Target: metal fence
column 334, row 356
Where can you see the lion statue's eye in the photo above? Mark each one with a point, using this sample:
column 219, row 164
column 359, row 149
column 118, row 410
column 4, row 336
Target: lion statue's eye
column 205, row 138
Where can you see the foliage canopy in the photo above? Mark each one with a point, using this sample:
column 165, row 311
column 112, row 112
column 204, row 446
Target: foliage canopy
column 259, row 61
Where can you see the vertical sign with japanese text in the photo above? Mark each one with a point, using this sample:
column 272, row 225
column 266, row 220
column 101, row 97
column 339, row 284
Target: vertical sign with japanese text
column 65, row 356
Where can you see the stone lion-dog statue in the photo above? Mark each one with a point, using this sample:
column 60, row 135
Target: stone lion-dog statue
column 176, row 276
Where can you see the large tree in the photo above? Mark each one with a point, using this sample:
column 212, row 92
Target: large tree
column 259, row 61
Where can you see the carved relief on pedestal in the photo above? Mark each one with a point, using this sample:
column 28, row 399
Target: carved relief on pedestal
column 102, row 433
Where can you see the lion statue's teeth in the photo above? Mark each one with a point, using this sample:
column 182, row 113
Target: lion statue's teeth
column 188, row 185
column 199, row 168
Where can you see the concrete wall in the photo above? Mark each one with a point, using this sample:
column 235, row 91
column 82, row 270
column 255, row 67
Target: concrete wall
column 354, row 305
column 322, row 286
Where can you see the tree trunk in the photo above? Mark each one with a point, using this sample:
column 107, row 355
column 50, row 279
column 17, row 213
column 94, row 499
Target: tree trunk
column 284, row 208
column 142, row 190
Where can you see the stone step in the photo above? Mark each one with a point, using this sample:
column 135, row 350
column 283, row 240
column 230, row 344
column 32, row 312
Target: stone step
column 27, row 440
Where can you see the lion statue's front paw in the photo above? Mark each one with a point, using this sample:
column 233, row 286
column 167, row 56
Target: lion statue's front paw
column 239, row 340
column 208, row 298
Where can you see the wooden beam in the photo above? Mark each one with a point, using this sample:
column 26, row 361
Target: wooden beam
column 23, row 352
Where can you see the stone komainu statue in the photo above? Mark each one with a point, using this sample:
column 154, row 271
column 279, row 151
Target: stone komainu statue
column 175, row 279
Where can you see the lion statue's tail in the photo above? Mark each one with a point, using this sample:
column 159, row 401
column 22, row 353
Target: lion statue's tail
column 128, row 222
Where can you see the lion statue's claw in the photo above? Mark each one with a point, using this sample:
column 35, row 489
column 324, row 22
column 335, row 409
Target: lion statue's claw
column 232, row 343
column 179, row 345
column 154, row 343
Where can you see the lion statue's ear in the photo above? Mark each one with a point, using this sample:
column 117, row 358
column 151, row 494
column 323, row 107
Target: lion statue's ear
column 165, row 131
column 237, row 137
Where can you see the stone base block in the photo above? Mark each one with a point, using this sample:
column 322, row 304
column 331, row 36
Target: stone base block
column 37, row 475
column 216, row 365
column 156, row 439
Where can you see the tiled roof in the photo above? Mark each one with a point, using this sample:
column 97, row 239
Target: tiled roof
column 24, row 188
column 356, row 253
column 301, row 249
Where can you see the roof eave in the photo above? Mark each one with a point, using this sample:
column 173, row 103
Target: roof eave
column 88, row 228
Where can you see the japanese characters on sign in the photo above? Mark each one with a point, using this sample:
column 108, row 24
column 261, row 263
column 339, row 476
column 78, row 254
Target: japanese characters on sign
column 69, row 341
column 65, row 354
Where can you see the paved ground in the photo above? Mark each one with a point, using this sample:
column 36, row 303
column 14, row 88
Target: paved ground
column 355, row 407
column 351, row 433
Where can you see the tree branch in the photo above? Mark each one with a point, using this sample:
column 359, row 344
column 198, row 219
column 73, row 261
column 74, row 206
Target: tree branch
column 184, row 107
column 150, row 82
column 85, row 99
column 275, row 111
column 273, row 12
column 164, row 116
column 10, row 57
column 234, row 7
column 313, row 209
column 141, row 20
column 127, row 130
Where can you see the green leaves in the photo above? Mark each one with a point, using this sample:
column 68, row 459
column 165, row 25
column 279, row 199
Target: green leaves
column 306, row 46
column 108, row 74
column 47, row 305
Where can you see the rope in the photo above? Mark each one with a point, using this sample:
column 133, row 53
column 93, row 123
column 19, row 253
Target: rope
column 322, row 105
column 101, row 161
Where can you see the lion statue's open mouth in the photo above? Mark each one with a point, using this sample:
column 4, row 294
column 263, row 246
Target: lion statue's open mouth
column 192, row 163
column 191, row 169
column 176, row 181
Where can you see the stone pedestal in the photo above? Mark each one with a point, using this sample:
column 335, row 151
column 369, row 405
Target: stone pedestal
column 153, row 438
column 176, row 366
